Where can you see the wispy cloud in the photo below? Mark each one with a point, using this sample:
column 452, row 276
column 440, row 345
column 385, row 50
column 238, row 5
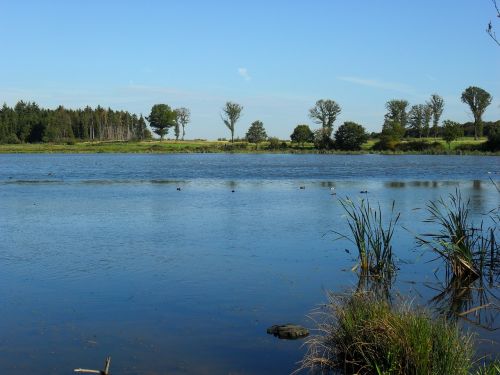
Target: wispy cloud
column 243, row 72
column 384, row 85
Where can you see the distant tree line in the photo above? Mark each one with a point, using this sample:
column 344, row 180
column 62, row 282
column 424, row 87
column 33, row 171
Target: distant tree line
column 27, row 122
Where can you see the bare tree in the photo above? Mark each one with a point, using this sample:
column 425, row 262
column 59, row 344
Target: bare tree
column 490, row 30
column 182, row 118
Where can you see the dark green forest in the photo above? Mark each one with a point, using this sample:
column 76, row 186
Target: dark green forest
column 27, row 122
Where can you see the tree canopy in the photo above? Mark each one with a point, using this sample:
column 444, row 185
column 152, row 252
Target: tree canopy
column 437, row 106
column 477, row 99
column 451, row 131
column 161, row 119
column 350, row 136
column 302, row 134
column 230, row 115
column 256, row 132
column 325, row 112
column 27, row 122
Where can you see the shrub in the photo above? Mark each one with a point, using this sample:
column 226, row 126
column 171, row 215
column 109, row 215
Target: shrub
column 386, row 144
column 274, row 143
column 468, row 147
column 11, row 139
column 322, row 140
column 419, row 146
column 493, row 142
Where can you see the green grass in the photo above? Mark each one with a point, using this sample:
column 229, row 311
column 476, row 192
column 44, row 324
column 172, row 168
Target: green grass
column 200, row 146
column 362, row 334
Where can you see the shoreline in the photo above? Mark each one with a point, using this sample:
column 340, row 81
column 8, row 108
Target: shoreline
column 202, row 147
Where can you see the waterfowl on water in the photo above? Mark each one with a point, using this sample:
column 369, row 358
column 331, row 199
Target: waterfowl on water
column 332, row 191
column 302, row 187
column 178, row 189
column 364, row 191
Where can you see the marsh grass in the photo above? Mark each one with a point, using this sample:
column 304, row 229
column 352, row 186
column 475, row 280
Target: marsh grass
column 492, row 368
column 363, row 334
column 372, row 236
column 468, row 250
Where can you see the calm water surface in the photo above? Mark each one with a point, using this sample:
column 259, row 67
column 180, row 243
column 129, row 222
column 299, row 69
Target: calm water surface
column 101, row 255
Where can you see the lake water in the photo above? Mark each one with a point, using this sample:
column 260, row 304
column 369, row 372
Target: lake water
column 102, row 255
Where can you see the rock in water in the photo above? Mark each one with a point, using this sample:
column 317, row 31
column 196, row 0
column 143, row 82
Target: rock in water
column 288, row 331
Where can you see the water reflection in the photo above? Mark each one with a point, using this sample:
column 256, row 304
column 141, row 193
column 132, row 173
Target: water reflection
column 470, row 299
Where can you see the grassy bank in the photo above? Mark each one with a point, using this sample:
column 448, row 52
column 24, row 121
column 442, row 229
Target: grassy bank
column 202, row 146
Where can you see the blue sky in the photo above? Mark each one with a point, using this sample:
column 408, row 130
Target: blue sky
column 276, row 58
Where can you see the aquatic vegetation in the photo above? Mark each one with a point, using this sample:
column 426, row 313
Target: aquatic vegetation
column 468, row 299
column 363, row 334
column 492, row 368
column 468, row 250
column 372, row 236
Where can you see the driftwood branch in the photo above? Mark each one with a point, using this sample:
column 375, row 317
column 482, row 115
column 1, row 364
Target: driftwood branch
column 107, row 363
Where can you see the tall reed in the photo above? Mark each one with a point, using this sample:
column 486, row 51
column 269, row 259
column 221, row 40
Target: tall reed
column 467, row 249
column 372, row 236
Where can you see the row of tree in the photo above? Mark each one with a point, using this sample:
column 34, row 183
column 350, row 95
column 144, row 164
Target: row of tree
column 400, row 121
column 27, row 122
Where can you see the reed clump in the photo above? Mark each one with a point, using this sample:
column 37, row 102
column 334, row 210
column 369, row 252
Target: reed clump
column 362, row 334
column 468, row 250
column 372, row 236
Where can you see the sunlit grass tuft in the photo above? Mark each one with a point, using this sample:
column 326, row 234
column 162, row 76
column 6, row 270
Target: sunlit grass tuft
column 362, row 334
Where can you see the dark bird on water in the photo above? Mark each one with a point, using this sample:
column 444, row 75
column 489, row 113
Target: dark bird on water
column 178, row 189
column 302, row 187
column 232, row 191
column 364, row 191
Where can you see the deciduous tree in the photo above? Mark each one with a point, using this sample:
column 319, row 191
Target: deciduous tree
column 417, row 117
column 230, row 115
column 350, row 136
column 477, row 99
column 451, row 131
column 183, row 116
column 325, row 112
column 256, row 132
column 437, row 105
column 302, row 134
column 161, row 119
column 396, row 112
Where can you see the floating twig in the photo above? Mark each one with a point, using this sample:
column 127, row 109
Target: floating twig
column 107, row 363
